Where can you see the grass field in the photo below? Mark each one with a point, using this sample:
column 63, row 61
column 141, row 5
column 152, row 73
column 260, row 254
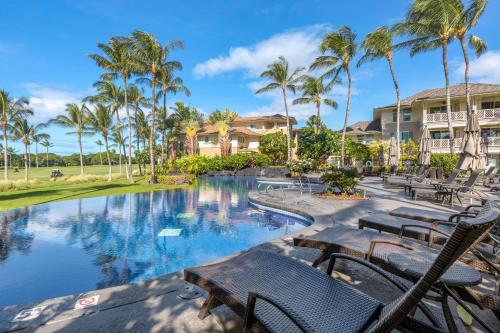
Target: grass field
column 47, row 191
column 43, row 173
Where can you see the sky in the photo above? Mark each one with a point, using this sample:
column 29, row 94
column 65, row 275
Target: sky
column 44, row 48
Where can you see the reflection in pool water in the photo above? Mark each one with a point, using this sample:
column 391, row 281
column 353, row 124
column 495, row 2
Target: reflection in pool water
column 66, row 247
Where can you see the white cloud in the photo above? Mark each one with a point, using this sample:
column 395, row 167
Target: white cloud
column 298, row 46
column 48, row 102
column 484, row 69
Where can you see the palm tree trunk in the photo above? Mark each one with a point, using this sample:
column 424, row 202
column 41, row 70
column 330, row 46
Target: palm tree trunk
column 105, row 137
column 467, row 69
column 346, row 119
column 137, row 136
column 119, row 124
column 129, row 123
column 5, row 151
column 163, row 135
column 448, row 96
column 36, row 154
column 47, row 156
column 26, row 162
column 100, row 154
column 152, row 131
column 120, row 158
column 164, row 130
column 398, row 106
column 318, row 117
column 288, row 129
column 81, row 152
column 144, row 149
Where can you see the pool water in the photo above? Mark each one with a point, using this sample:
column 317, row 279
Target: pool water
column 67, row 247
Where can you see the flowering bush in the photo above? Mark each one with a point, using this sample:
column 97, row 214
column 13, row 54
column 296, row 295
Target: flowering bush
column 301, row 166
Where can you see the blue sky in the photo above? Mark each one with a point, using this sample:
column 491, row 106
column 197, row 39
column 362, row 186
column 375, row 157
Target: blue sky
column 44, row 47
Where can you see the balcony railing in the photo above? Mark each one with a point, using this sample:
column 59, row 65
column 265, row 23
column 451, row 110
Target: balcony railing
column 445, row 143
column 462, row 115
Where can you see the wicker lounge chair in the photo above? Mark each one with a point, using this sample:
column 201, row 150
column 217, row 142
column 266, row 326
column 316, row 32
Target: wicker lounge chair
column 400, row 182
column 385, row 250
column 435, row 184
column 275, row 293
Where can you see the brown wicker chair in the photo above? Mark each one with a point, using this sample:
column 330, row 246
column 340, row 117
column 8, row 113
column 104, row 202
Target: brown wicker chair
column 275, row 293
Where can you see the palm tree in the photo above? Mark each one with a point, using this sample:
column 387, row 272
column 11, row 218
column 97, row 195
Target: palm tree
column 221, row 120
column 279, row 73
column 432, row 24
column 470, row 18
column 340, row 45
column 118, row 140
column 21, row 130
column 10, row 109
column 45, row 143
column 185, row 120
column 75, row 118
column 313, row 90
column 142, row 128
column 380, row 44
column 118, row 61
column 37, row 137
column 190, row 130
column 137, row 100
column 100, row 144
column 151, row 57
column 100, row 121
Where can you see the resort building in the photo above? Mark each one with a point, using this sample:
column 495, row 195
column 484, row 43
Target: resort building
column 245, row 133
column 428, row 108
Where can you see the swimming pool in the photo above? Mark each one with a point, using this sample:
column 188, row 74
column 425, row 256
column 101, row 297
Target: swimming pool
column 67, row 247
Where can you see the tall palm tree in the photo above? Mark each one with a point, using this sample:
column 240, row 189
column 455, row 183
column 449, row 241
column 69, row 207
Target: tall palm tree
column 137, row 100
column 21, row 130
column 75, row 118
column 313, row 90
column 118, row 61
column 151, row 57
column 37, row 136
column 340, row 48
column 100, row 144
column 470, row 18
column 10, row 109
column 100, row 120
column 46, row 144
column 191, row 130
column 281, row 78
column 184, row 120
column 380, row 44
column 141, row 124
column 221, row 120
column 117, row 138
column 431, row 24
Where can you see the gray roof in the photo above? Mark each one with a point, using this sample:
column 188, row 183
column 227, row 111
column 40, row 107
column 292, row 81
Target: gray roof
column 364, row 127
column 456, row 90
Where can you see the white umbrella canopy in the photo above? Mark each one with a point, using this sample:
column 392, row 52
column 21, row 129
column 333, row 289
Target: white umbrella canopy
column 472, row 156
column 424, row 149
column 393, row 152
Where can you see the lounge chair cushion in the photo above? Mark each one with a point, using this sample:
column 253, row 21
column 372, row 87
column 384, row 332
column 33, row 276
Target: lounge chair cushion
column 393, row 224
column 322, row 303
column 421, row 214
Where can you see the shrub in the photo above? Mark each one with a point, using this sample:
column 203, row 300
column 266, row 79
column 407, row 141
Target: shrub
column 176, row 179
column 274, row 145
column 301, row 166
column 260, row 160
column 318, row 145
column 345, row 180
column 446, row 161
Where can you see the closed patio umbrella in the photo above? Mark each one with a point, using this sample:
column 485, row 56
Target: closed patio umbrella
column 381, row 158
column 472, row 156
column 393, row 152
column 424, row 149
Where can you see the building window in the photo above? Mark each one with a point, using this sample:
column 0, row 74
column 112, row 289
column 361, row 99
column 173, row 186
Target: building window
column 440, row 135
column 394, row 116
column 406, row 115
column 491, row 132
column 405, row 136
column 253, row 126
column 438, row 109
column 490, row 105
column 206, row 139
column 241, row 139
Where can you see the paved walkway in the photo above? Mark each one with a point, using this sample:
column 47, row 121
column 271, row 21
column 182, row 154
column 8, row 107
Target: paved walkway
column 156, row 305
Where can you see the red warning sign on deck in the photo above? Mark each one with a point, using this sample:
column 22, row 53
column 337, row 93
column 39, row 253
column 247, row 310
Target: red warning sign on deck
column 86, row 302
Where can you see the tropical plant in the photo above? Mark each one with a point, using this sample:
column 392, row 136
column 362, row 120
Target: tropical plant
column 341, row 180
column 100, row 144
column 75, row 118
column 313, row 90
column 118, row 61
column 10, row 109
column 100, row 121
column 46, row 144
column 380, row 44
column 119, row 142
column 338, row 49
column 221, row 120
column 431, row 24
column 469, row 19
column 137, row 100
column 274, row 145
column 37, row 136
column 151, row 57
column 286, row 80
column 318, row 145
column 21, row 130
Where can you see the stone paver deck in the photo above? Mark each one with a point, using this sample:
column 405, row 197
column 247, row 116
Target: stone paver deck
column 155, row 305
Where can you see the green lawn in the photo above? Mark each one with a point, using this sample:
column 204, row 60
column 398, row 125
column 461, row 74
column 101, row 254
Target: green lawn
column 43, row 173
column 9, row 200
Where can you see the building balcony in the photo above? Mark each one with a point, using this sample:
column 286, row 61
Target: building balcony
column 443, row 145
column 461, row 116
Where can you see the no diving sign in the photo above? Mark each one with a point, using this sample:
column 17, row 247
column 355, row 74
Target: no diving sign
column 29, row 314
column 86, row 302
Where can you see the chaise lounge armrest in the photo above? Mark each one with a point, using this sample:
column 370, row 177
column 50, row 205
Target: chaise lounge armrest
column 430, row 228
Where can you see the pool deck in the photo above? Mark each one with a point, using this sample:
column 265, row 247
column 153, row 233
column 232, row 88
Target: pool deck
column 157, row 306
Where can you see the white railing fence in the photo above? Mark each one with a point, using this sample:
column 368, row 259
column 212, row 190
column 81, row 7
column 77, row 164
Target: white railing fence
column 462, row 115
column 445, row 143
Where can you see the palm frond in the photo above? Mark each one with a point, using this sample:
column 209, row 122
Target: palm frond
column 478, row 45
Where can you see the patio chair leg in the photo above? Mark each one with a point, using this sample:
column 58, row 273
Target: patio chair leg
column 450, row 322
column 210, row 303
column 325, row 255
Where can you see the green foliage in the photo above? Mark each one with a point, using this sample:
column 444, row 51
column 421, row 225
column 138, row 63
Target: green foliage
column 184, row 179
column 374, row 149
column 355, row 150
column 446, row 161
column 301, row 166
column 318, row 145
column 409, row 151
column 274, row 145
column 343, row 179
